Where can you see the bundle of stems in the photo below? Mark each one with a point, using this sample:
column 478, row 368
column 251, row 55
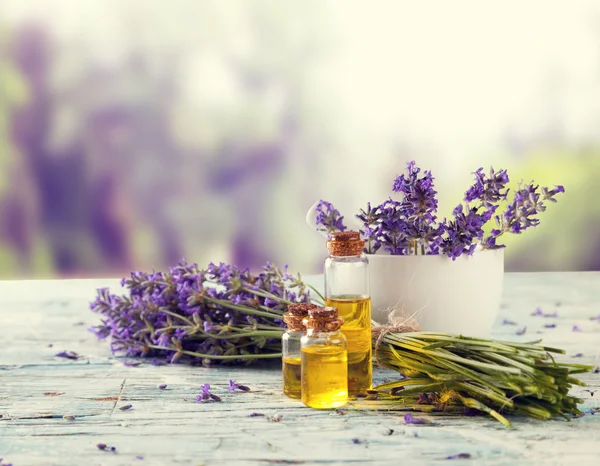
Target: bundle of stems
column 443, row 372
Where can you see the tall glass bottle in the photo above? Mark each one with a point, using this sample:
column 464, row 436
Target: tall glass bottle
column 324, row 360
column 347, row 289
column 290, row 346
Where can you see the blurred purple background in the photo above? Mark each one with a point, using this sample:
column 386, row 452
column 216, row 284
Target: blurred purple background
column 133, row 133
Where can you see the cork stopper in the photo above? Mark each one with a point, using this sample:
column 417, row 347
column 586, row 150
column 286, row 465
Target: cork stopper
column 345, row 243
column 323, row 319
column 294, row 317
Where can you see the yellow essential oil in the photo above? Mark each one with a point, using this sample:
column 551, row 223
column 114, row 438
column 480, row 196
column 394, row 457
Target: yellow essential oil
column 324, row 376
column 356, row 312
column 292, row 377
column 290, row 348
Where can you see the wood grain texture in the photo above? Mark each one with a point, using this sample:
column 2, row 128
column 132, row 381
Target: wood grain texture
column 168, row 427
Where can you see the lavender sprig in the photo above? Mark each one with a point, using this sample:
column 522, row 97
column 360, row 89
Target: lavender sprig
column 329, row 218
column 522, row 213
column 410, row 226
column 221, row 314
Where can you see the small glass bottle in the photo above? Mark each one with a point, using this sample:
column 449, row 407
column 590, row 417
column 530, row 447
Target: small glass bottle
column 290, row 346
column 347, row 289
column 324, row 360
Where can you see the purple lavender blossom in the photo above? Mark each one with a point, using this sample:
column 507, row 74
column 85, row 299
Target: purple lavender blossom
column 577, row 355
column 550, row 326
column 199, row 316
column 371, row 230
column 522, row 212
column 234, row 386
column 462, row 233
column 522, row 331
column 577, row 328
column 162, row 386
column 552, row 315
column 596, row 318
column 409, row 225
column 488, row 190
column 538, row 312
column 329, row 218
column 206, row 395
column 508, row 322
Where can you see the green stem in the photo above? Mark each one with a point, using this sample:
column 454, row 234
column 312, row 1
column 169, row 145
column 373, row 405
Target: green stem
column 318, row 293
column 218, row 356
column 185, row 319
column 266, row 294
column 245, row 310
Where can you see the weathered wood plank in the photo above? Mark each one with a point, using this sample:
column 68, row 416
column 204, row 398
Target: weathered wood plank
column 167, row 426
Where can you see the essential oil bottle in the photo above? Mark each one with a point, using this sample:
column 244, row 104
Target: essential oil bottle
column 290, row 343
column 347, row 289
column 324, row 360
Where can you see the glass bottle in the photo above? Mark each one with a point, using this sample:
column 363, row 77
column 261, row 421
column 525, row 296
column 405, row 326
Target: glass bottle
column 324, row 360
column 347, row 289
column 290, row 345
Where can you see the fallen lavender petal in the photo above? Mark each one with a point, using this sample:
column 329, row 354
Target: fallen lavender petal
column 577, row 328
column 522, row 331
column 508, row 322
column 459, row 456
column 538, row 312
column 410, row 419
column 550, row 326
column 67, row 355
column 131, row 363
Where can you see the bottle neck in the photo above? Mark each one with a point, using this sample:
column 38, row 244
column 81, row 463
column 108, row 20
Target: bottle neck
column 313, row 333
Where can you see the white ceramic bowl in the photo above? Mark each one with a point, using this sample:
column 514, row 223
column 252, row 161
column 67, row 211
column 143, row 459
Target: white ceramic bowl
column 461, row 296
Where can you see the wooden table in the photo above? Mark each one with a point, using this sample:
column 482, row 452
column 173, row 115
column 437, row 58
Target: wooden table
column 40, row 318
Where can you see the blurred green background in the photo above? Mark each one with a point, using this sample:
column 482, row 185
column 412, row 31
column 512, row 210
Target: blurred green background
column 133, row 133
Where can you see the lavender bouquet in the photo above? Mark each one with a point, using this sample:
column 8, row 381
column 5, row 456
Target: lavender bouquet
column 218, row 315
column 409, row 225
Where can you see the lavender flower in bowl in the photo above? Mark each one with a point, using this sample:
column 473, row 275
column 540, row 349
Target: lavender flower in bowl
column 447, row 272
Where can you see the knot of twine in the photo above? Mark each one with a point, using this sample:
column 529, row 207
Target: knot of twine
column 398, row 322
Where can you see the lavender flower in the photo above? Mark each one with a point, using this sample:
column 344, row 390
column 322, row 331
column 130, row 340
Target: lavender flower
column 577, row 328
column 508, row 322
column 371, row 230
column 218, row 315
column 410, row 226
column 462, row 233
column 522, row 212
column 234, row 386
column 538, row 312
column 550, row 326
column 329, row 218
column 162, row 386
column 596, row 318
column 596, row 370
column 126, row 407
column 206, row 395
column 488, row 190
column 553, row 315
column 522, row 331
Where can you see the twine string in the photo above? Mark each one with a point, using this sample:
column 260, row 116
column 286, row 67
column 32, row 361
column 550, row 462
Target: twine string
column 398, row 322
